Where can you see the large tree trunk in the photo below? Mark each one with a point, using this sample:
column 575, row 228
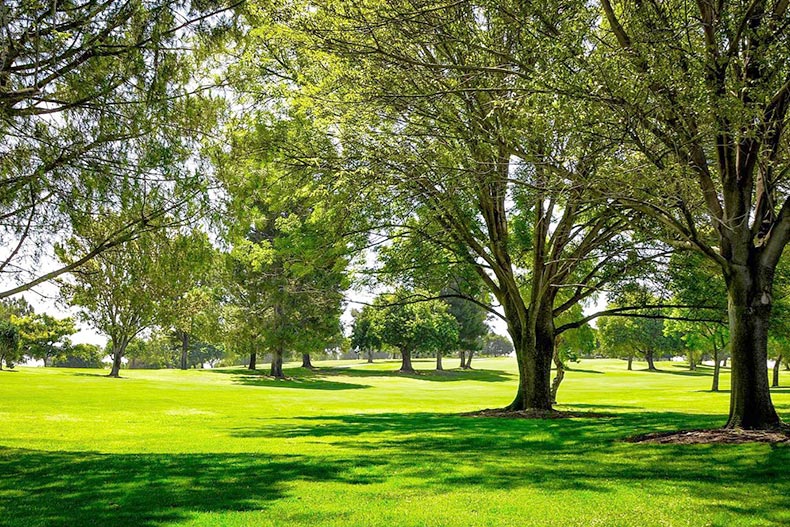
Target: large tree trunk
column 555, row 384
column 534, row 351
column 405, row 366
column 439, row 361
column 118, row 349
column 630, row 362
column 277, row 364
column 184, row 337
column 253, row 361
column 468, row 365
column 777, row 365
column 462, row 354
column 649, row 358
column 749, row 307
column 306, row 362
column 716, row 368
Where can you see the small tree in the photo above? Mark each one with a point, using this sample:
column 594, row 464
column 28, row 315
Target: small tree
column 9, row 343
column 45, row 337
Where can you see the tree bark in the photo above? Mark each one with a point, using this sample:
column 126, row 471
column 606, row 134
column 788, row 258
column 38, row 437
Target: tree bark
column 649, row 358
column 253, row 360
column 370, row 356
column 630, row 362
column 277, row 364
column 439, row 361
column 534, row 350
column 462, row 354
column 2, row 358
column 749, row 307
column 118, row 349
column 184, row 337
column 555, row 384
column 777, row 365
column 716, row 368
column 468, row 365
column 306, row 362
column 406, row 366
column 692, row 363
column 44, row 358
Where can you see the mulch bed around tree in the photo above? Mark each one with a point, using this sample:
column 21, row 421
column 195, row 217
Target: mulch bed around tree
column 715, row 436
column 533, row 414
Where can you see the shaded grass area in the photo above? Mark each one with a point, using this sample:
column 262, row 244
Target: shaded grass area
column 203, row 448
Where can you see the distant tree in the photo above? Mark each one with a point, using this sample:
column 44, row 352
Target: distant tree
column 80, row 356
column 9, row 343
column 118, row 291
column 627, row 336
column 495, row 345
column 364, row 337
column 472, row 327
column 45, row 337
column 410, row 325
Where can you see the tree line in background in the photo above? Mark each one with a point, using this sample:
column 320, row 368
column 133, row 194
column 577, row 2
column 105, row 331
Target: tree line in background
column 225, row 172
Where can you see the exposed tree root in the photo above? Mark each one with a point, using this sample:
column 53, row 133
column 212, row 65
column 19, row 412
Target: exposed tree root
column 718, row 435
column 533, row 414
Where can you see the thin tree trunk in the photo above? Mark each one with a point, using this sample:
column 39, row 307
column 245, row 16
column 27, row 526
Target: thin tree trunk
column 749, row 309
column 630, row 362
column 277, row 364
column 439, row 361
column 777, row 365
column 253, row 360
column 2, row 358
column 468, row 365
column 462, row 354
column 45, row 360
column 692, row 363
column 370, row 356
column 716, row 368
column 306, row 362
column 184, row 336
column 649, row 358
column 406, row 366
column 555, row 384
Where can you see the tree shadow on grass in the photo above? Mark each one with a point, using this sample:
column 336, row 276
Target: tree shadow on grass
column 321, row 374
column 305, row 380
column 454, row 451
column 60, row 489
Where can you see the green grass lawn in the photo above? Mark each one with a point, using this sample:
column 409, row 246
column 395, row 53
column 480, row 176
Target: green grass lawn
column 362, row 446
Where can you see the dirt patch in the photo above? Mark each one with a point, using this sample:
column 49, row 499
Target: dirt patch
column 716, row 436
column 533, row 414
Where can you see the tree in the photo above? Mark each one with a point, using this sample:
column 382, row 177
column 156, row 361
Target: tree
column 626, row 336
column 45, row 337
column 80, row 356
column 114, row 290
column 364, row 337
column 289, row 260
column 478, row 171
column 698, row 93
column 9, row 343
column 497, row 345
column 410, row 324
column 471, row 319
column 97, row 103
column 694, row 282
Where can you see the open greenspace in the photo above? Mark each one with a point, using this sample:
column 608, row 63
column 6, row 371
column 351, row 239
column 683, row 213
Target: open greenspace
column 353, row 444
